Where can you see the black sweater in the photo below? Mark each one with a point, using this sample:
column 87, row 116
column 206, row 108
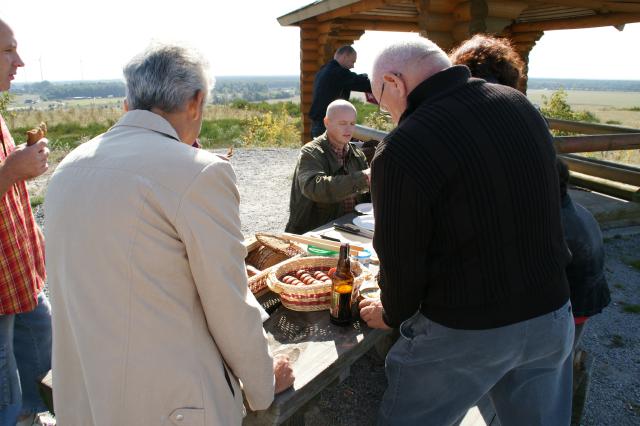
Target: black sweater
column 333, row 81
column 467, row 205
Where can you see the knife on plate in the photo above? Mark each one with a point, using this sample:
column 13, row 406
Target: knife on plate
column 353, row 229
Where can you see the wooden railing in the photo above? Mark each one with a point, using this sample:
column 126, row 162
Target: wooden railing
column 619, row 180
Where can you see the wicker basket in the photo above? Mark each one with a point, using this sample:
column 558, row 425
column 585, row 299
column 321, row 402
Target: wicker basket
column 314, row 297
column 273, row 250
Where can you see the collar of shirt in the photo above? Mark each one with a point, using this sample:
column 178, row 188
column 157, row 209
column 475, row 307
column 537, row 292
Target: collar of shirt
column 148, row 120
column 436, row 86
column 339, row 151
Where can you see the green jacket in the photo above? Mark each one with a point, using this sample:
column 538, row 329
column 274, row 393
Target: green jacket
column 320, row 185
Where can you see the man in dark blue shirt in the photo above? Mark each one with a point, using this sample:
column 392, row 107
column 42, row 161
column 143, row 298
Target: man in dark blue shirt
column 335, row 81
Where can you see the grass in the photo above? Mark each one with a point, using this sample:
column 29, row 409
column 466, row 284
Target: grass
column 269, row 124
column 36, row 200
column 631, row 309
column 222, row 125
column 619, row 286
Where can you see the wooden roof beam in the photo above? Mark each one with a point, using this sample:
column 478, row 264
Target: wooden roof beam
column 362, row 6
column 497, row 9
column 577, row 23
column 400, row 26
column 604, row 6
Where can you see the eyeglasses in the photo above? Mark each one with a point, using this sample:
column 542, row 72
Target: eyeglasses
column 380, row 109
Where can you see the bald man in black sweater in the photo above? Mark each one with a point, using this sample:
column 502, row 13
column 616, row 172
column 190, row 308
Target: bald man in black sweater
column 470, row 241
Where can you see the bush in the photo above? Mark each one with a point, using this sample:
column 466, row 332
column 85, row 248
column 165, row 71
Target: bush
column 222, row 133
column 5, row 100
column 273, row 129
column 558, row 107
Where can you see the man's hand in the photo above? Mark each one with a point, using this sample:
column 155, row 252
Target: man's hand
column 283, row 373
column 367, row 173
column 371, row 312
column 26, row 162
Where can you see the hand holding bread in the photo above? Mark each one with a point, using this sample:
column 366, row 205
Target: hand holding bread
column 37, row 133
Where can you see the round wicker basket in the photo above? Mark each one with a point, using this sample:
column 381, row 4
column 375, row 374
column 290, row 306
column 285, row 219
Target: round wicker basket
column 314, row 297
column 272, row 251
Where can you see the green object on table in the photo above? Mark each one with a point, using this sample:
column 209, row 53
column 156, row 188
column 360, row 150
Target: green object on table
column 315, row 251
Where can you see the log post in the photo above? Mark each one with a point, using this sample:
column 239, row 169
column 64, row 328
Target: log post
column 309, row 66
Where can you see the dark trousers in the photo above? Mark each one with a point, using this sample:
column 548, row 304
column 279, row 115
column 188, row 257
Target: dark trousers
column 317, row 128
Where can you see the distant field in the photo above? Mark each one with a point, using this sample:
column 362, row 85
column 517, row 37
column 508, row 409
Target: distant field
column 19, row 102
column 586, row 99
column 621, row 108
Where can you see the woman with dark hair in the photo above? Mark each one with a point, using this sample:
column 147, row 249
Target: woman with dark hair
column 492, row 59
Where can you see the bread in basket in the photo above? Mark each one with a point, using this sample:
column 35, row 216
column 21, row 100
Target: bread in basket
column 313, row 297
column 272, row 250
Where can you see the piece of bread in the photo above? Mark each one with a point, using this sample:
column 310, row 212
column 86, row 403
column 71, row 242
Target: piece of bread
column 35, row 134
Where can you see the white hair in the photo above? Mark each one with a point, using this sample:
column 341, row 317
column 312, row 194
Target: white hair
column 400, row 56
column 166, row 76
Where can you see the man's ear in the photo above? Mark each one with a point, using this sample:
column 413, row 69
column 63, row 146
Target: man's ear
column 196, row 106
column 325, row 120
column 396, row 82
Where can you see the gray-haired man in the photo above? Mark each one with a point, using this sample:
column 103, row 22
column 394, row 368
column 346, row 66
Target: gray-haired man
column 153, row 321
column 472, row 254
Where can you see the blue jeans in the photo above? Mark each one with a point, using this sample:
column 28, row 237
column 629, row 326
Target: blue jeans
column 435, row 374
column 25, row 357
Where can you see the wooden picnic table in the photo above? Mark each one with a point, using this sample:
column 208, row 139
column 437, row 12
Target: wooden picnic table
column 322, row 353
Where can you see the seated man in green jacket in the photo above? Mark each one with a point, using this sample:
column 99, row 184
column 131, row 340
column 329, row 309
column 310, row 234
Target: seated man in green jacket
column 331, row 175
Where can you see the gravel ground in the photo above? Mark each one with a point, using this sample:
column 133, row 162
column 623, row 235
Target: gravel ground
column 264, row 177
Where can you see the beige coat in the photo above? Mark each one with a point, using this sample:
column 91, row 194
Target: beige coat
column 148, row 286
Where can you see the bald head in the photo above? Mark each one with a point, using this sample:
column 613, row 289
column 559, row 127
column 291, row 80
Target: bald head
column 9, row 59
column 338, row 106
column 340, row 121
column 415, row 60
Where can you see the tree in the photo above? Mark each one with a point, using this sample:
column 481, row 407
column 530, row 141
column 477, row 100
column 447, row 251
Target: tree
column 558, row 107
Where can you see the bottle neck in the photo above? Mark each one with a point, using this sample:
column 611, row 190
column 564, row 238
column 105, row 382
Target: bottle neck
column 344, row 264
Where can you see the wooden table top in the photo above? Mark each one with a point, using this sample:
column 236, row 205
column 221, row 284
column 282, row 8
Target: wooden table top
column 320, row 353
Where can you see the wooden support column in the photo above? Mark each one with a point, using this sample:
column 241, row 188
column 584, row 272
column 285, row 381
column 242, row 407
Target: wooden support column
column 435, row 25
column 309, row 66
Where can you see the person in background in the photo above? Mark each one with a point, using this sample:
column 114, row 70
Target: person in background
column 331, row 175
column 492, row 59
column 588, row 284
column 153, row 320
column 472, row 255
column 335, row 81
column 25, row 314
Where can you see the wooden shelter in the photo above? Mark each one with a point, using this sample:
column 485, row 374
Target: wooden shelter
column 326, row 25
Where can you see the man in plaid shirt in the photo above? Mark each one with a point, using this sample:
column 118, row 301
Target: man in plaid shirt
column 25, row 314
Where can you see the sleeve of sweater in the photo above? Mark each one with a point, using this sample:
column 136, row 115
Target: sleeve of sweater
column 402, row 231
column 352, row 81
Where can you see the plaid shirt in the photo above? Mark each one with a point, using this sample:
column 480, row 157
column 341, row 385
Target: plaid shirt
column 341, row 152
column 22, row 271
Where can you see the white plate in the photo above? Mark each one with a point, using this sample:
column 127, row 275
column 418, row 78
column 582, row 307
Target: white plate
column 365, row 222
column 364, row 208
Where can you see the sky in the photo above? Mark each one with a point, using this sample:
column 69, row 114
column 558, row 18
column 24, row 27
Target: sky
column 90, row 40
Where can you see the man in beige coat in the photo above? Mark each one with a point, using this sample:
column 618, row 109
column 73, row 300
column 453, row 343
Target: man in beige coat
column 153, row 324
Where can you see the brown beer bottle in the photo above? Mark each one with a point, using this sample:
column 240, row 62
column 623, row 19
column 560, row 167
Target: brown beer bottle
column 341, row 289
